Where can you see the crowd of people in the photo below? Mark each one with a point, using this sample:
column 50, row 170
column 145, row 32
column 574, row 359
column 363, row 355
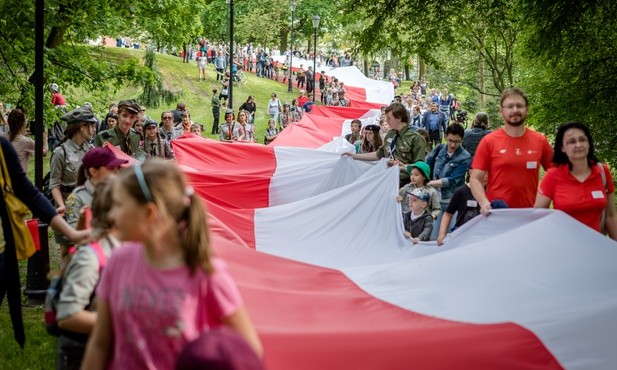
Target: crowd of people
column 145, row 251
column 143, row 248
column 502, row 168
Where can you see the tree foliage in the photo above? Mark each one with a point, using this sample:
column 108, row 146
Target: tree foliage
column 154, row 92
column 268, row 22
column 68, row 24
column 485, row 28
column 571, row 67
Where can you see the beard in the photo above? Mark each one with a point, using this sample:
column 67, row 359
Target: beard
column 516, row 120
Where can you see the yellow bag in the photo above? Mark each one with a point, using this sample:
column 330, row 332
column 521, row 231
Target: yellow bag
column 17, row 211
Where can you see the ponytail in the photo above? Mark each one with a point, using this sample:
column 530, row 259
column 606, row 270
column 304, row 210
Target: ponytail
column 194, row 234
column 82, row 176
column 17, row 120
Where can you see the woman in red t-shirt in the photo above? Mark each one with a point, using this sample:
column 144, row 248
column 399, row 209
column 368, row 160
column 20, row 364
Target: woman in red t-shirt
column 578, row 183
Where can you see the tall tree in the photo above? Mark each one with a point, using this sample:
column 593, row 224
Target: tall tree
column 486, row 28
column 571, row 60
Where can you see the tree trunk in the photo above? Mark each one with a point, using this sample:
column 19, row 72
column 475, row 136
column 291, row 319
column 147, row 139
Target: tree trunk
column 55, row 38
column 482, row 84
column 366, row 65
column 423, row 69
column 284, row 33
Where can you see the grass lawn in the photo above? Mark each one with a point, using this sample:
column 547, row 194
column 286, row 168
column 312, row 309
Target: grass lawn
column 184, row 78
column 40, row 349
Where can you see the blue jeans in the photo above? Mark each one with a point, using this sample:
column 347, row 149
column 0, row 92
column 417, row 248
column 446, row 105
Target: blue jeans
column 437, row 222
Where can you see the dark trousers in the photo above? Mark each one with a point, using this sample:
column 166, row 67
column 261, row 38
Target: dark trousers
column 435, row 138
column 70, row 354
column 215, row 125
column 309, row 86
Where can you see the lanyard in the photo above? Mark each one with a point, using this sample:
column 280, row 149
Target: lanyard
column 393, row 145
column 127, row 142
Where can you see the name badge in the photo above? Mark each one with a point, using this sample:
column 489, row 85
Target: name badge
column 532, row 165
column 73, row 158
column 472, row 203
column 597, row 194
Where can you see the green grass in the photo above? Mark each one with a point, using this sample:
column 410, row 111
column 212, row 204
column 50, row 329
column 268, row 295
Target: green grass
column 40, row 349
column 184, row 78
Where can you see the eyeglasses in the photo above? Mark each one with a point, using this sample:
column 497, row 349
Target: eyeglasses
column 581, row 140
column 455, row 142
column 512, row 106
column 166, row 118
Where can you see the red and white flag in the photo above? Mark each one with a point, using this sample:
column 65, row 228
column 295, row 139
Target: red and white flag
column 315, row 242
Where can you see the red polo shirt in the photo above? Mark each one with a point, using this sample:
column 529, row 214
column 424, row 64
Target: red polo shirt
column 585, row 200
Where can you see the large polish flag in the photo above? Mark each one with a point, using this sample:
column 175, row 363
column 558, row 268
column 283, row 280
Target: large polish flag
column 314, row 241
column 323, row 125
column 361, row 91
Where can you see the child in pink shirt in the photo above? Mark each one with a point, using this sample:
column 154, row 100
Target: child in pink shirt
column 162, row 289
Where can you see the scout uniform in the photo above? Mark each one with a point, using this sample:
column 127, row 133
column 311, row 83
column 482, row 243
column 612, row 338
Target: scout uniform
column 169, row 135
column 80, row 197
column 65, row 162
column 67, row 158
column 230, row 131
column 129, row 143
column 406, row 146
column 159, row 147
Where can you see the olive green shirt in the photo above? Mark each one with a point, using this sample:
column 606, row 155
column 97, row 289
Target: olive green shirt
column 79, row 198
column 63, row 168
column 116, row 137
column 410, row 147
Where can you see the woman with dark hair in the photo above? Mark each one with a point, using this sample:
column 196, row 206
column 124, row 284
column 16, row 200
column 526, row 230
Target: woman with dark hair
column 24, row 146
column 578, row 183
column 66, row 160
column 110, row 121
column 250, row 107
column 372, row 140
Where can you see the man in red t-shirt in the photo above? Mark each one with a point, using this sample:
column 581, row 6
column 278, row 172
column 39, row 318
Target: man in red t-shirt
column 512, row 156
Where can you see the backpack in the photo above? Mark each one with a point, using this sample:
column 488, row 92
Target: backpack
column 45, row 186
column 55, row 288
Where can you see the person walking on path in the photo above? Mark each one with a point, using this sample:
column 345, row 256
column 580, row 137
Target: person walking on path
column 512, row 156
